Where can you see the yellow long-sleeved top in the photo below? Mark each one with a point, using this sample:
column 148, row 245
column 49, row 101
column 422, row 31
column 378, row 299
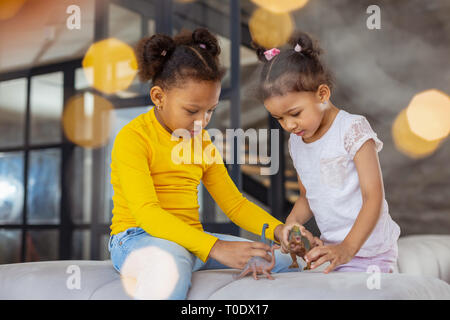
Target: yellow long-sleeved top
column 156, row 192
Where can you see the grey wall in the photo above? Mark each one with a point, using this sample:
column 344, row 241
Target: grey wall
column 377, row 73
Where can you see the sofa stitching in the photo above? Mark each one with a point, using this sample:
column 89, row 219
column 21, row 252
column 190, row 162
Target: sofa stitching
column 98, row 288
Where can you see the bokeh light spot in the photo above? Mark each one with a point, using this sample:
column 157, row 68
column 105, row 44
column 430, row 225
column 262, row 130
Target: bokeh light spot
column 110, row 65
column 281, row 6
column 408, row 142
column 9, row 8
column 428, row 115
column 87, row 120
column 270, row 29
column 149, row 273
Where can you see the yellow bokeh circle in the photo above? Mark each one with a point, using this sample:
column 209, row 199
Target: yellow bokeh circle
column 110, row 65
column 270, row 29
column 9, row 8
column 408, row 142
column 281, row 6
column 428, row 115
column 88, row 119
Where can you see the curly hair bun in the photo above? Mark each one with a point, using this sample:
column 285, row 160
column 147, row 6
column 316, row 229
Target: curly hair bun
column 202, row 36
column 152, row 52
column 309, row 46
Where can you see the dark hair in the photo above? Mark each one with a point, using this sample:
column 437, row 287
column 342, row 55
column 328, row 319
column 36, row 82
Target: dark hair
column 291, row 70
column 168, row 61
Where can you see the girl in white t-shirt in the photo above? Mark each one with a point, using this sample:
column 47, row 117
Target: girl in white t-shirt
column 335, row 155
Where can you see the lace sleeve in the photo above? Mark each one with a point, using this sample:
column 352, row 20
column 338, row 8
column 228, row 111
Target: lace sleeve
column 359, row 132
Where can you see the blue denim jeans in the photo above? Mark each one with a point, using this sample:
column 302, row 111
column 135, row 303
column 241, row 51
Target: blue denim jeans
column 122, row 244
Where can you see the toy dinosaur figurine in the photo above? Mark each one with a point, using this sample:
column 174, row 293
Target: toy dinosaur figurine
column 258, row 264
column 297, row 239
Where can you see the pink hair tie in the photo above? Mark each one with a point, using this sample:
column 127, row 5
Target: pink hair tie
column 201, row 45
column 269, row 54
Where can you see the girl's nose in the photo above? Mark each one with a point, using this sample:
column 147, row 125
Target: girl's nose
column 204, row 119
column 198, row 124
column 290, row 125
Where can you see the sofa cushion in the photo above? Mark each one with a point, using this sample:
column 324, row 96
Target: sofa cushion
column 49, row 280
column 306, row 285
column 423, row 261
column 99, row 280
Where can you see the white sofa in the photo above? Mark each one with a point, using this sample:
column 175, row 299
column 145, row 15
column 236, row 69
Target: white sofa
column 423, row 273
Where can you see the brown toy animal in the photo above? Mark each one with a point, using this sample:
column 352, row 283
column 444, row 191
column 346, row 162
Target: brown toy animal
column 297, row 239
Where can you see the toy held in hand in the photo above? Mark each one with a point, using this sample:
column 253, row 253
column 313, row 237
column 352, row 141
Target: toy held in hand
column 298, row 245
column 259, row 265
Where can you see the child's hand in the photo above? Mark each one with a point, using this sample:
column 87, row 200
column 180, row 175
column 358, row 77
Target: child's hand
column 335, row 254
column 284, row 241
column 235, row 254
column 286, row 248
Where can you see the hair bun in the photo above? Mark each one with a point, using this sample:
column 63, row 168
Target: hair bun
column 308, row 45
column 259, row 51
column 203, row 38
column 151, row 54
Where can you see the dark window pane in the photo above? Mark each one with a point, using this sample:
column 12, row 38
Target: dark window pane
column 81, row 245
column 46, row 108
column 81, row 186
column 41, row 245
column 44, row 187
column 11, row 187
column 13, row 102
column 11, row 243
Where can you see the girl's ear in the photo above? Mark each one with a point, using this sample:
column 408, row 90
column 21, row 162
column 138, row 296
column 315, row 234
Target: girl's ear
column 157, row 95
column 323, row 93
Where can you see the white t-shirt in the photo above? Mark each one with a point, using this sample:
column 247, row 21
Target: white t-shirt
column 328, row 172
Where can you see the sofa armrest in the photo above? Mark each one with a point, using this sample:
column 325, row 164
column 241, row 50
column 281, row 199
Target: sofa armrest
column 427, row 255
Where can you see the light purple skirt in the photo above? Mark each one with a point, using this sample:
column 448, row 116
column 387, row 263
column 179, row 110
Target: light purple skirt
column 385, row 262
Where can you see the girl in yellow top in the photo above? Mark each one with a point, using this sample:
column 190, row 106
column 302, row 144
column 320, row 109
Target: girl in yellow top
column 155, row 197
